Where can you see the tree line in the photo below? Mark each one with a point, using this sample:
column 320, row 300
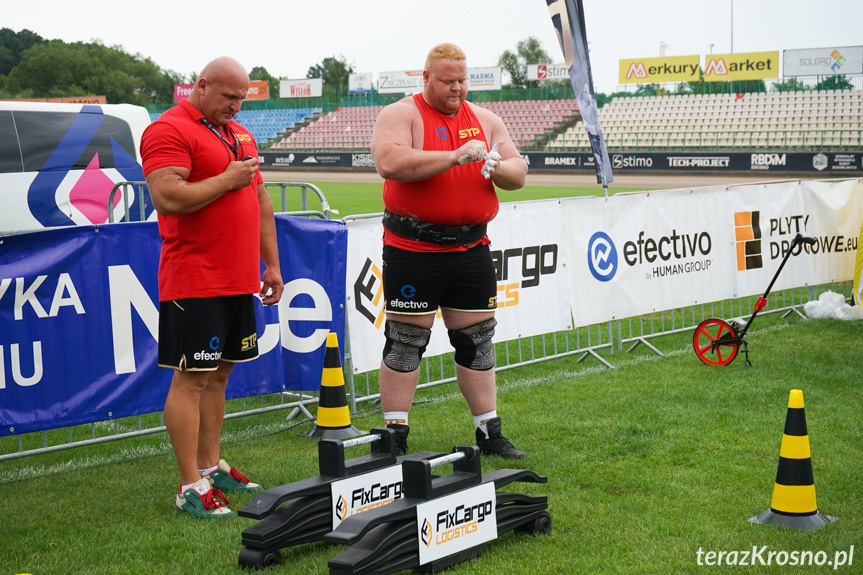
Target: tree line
column 34, row 67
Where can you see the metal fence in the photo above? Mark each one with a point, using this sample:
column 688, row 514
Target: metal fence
column 616, row 337
column 602, row 343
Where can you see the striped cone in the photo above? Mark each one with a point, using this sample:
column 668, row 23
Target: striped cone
column 334, row 418
column 793, row 504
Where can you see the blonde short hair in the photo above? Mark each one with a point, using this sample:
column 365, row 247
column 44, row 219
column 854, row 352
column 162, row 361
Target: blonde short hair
column 444, row 51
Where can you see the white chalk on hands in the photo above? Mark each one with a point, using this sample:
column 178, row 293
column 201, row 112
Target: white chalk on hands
column 491, row 160
column 478, row 155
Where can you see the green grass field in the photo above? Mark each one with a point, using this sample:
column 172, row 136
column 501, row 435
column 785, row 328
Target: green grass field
column 365, row 198
column 647, row 465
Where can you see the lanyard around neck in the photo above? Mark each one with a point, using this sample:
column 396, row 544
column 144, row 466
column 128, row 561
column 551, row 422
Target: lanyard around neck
column 235, row 147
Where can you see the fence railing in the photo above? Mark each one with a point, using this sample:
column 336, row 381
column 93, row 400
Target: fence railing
column 602, row 343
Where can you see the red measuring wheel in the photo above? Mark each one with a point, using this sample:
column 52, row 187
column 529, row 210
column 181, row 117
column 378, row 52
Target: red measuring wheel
column 716, row 342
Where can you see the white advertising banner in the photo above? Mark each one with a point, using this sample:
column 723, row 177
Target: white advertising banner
column 360, row 83
column 639, row 253
column 529, row 252
column 365, row 492
column 547, row 72
column 305, row 88
column 400, row 82
column 456, row 522
column 484, row 78
column 590, row 260
column 822, row 61
column 766, row 222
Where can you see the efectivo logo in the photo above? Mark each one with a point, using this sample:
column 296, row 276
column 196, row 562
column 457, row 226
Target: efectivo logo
column 602, row 257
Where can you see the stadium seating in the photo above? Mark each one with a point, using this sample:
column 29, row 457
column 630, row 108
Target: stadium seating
column 342, row 129
column 828, row 119
column 530, row 121
column 266, row 125
column 807, row 120
column 351, row 128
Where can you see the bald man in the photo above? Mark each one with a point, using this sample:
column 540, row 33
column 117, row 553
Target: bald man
column 216, row 222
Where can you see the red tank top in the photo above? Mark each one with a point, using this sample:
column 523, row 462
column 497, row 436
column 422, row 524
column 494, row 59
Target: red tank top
column 458, row 196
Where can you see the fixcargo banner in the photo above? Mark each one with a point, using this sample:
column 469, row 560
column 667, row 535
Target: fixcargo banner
column 745, row 66
column 658, row 70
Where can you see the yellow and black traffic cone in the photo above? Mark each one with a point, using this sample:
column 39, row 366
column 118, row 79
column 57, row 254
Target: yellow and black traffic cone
column 334, row 418
column 793, row 504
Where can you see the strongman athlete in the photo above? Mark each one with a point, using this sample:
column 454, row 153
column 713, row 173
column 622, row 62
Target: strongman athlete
column 432, row 149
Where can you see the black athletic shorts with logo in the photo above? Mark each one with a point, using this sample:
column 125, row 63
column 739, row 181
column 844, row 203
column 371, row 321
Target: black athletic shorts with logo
column 420, row 282
column 195, row 333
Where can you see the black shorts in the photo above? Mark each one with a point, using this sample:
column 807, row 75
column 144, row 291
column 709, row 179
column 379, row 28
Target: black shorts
column 196, row 333
column 421, row 282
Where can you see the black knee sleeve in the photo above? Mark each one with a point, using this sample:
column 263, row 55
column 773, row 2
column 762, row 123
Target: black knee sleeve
column 473, row 346
column 405, row 345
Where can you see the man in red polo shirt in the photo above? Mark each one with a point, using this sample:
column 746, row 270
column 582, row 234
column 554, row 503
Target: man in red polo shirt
column 216, row 222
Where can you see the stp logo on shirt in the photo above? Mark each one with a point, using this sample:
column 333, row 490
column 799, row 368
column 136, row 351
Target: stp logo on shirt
column 542, row 71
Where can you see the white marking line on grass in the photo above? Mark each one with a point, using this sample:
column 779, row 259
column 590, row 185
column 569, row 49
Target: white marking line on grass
column 124, row 454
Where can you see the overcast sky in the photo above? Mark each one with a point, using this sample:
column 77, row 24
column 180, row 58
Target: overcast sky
column 289, row 36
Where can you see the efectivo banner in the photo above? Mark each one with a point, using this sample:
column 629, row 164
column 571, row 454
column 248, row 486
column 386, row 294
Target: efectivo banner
column 640, row 253
column 79, row 321
column 659, row 70
column 743, row 66
column 532, row 280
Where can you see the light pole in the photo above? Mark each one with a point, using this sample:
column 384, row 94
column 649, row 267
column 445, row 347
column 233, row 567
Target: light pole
column 732, row 27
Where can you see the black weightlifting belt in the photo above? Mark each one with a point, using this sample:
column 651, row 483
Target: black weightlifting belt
column 442, row 235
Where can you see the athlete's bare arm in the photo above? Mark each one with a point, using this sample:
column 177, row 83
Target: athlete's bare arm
column 397, row 146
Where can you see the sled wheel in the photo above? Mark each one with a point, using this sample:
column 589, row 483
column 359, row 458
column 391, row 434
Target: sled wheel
column 708, row 341
column 259, row 558
column 541, row 525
